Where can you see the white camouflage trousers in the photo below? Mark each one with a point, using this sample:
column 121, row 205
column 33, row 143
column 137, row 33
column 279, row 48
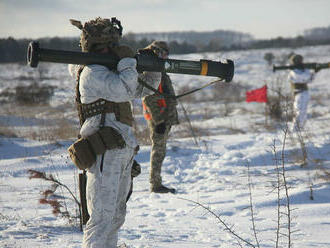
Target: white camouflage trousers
column 106, row 198
column 300, row 110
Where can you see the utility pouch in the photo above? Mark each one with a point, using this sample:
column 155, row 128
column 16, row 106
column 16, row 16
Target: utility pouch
column 111, row 138
column 82, row 154
column 96, row 142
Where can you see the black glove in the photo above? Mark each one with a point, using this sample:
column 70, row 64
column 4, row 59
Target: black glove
column 136, row 169
column 160, row 128
column 145, row 51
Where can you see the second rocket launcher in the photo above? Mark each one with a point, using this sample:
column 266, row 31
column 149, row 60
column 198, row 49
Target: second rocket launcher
column 145, row 62
column 314, row 66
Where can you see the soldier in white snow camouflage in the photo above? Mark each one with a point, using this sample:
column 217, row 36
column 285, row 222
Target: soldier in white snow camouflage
column 299, row 79
column 109, row 178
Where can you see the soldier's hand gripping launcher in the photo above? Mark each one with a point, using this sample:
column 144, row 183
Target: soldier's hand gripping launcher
column 313, row 66
column 145, row 62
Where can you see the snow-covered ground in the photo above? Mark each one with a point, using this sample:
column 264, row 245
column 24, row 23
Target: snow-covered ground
column 233, row 167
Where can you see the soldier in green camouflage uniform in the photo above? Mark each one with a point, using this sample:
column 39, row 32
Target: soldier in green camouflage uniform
column 160, row 113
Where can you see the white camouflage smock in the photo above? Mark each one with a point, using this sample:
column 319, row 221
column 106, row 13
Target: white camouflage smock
column 107, row 190
column 301, row 97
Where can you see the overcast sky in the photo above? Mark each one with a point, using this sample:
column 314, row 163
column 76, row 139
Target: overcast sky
column 261, row 18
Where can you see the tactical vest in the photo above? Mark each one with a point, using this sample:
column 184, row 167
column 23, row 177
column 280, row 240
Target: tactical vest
column 83, row 152
column 158, row 108
column 122, row 110
column 298, row 87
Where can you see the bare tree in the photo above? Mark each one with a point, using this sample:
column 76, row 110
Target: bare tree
column 222, row 222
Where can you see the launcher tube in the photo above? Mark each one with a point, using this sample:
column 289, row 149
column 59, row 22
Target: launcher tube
column 145, row 62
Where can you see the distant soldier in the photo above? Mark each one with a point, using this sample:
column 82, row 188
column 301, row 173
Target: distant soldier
column 103, row 98
column 160, row 113
column 299, row 79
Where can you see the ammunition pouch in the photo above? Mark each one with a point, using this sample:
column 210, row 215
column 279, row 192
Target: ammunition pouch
column 83, row 152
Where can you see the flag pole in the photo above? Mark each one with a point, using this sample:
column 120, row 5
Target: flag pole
column 266, row 115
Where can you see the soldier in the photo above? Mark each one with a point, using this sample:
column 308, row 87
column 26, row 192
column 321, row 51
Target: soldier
column 299, row 78
column 102, row 96
column 160, row 113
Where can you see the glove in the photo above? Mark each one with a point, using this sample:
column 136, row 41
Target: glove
column 136, row 169
column 147, row 52
column 160, row 128
column 124, row 52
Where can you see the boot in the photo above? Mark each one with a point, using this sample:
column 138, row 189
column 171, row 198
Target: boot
column 162, row 189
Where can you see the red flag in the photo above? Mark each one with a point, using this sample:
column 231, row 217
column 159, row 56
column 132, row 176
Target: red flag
column 257, row 95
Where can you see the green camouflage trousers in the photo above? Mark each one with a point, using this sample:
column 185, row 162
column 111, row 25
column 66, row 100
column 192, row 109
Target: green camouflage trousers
column 158, row 152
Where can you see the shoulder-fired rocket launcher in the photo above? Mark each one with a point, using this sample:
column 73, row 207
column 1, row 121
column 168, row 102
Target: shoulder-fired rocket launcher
column 145, row 62
column 313, row 66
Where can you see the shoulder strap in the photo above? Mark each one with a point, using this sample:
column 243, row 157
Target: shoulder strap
column 80, row 69
column 142, row 82
column 78, row 100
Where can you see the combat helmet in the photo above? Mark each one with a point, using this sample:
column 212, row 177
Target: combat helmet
column 99, row 33
column 158, row 47
column 296, row 59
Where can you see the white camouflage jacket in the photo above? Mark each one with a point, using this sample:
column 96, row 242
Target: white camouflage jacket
column 97, row 81
column 300, row 76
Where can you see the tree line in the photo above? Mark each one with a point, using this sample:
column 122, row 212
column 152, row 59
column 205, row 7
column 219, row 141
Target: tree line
column 14, row 50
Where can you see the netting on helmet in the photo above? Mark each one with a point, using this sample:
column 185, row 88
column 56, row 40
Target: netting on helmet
column 99, row 33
